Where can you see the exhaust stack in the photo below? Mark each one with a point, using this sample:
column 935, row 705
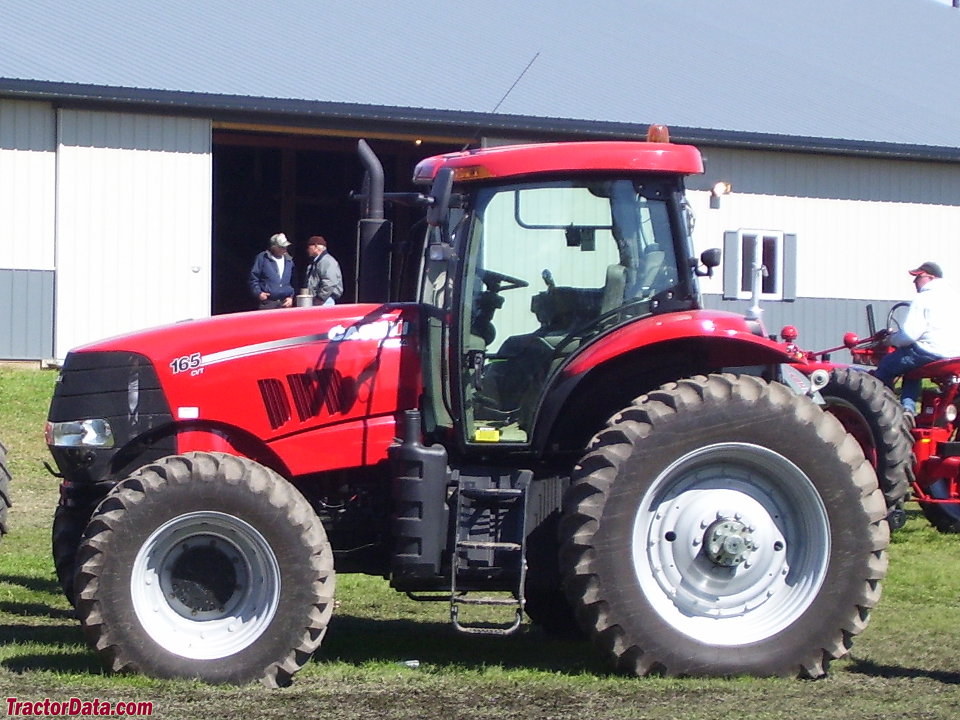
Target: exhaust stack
column 374, row 235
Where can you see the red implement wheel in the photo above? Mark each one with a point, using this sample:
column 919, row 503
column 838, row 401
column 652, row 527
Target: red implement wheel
column 871, row 412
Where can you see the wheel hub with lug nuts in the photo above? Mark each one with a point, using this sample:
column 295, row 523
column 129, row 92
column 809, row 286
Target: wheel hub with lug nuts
column 711, row 548
column 728, row 542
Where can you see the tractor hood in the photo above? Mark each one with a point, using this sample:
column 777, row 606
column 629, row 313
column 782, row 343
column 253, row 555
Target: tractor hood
column 224, row 337
column 276, row 375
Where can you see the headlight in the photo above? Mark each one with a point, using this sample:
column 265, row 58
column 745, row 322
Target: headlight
column 95, row 432
column 950, row 413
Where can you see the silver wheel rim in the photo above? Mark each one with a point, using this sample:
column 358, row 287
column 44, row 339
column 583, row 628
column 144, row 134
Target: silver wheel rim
column 205, row 585
column 731, row 544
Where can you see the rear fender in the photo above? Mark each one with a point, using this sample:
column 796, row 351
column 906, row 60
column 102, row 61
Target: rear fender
column 724, row 340
column 608, row 374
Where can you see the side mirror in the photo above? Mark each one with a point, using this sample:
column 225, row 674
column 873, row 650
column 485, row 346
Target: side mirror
column 709, row 259
column 440, row 197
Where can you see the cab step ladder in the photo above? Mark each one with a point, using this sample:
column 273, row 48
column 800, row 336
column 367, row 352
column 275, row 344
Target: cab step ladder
column 490, row 540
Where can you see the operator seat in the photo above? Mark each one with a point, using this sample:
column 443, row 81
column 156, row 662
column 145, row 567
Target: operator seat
column 653, row 259
column 613, row 288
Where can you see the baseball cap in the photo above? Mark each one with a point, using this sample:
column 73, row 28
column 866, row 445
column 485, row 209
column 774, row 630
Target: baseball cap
column 279, row 240
column 928, row 268
column 317, row 240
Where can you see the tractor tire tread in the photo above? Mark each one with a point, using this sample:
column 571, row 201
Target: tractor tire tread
column 592, row 479
column 201, row 467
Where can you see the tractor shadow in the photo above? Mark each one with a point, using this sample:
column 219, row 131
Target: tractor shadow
column 34, row 609
column 359, row 640
column 895, row 672
column 29, row 624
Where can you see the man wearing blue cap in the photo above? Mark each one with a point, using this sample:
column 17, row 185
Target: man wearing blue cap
column 930, row 331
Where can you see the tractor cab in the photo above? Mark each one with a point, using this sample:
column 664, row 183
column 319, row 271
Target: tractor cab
column 528, row 269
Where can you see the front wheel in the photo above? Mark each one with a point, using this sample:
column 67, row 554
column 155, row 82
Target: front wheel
column 724, row 526
column 4, row 490
column 205, row 566
column 68, row 526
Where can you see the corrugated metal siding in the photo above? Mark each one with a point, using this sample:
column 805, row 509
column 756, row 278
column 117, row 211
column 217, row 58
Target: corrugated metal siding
column 860, row 224
column 27, row 185
column 26, row 314
column 794, row 75
column 134, row 223
column 822, row 322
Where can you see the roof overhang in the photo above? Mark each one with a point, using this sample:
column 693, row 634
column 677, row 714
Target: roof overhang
column 298, row 113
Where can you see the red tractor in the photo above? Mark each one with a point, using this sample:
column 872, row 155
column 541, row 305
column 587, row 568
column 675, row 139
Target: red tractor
column 920, row 453
column 528, row 409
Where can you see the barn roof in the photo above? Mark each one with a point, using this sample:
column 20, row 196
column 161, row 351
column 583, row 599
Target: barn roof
column 876, row 76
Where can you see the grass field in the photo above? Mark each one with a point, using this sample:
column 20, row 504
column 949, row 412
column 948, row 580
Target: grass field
column 906, row 664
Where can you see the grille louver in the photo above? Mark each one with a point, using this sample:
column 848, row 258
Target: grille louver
column 275, row 401
column 316, row 390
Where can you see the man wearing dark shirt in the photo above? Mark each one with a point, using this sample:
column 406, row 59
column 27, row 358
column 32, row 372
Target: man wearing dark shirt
column 271, row 275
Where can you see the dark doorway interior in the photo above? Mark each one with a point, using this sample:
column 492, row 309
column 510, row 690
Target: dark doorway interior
column 265, row 183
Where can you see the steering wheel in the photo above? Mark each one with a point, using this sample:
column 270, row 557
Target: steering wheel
column 497, row 282
column 893, row 323
column 597, row 322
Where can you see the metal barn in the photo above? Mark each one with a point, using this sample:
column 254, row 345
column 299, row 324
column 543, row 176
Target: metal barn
column 140, row 172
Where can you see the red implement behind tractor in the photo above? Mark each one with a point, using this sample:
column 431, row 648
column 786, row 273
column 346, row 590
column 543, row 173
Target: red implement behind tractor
column 529, row 411
column 921, row 451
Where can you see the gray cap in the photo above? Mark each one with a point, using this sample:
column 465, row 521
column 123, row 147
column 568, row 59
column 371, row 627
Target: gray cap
column 279, row 240
column 928, row 268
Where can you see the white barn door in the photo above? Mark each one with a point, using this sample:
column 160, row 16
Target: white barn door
column 133, row 223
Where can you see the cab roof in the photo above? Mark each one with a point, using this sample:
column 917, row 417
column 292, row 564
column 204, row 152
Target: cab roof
column 516, row 160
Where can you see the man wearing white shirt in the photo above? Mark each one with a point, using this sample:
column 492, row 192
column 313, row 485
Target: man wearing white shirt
column 930, row 332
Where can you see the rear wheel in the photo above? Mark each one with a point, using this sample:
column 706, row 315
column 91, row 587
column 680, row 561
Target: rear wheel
column 724, row 526
column 4, row 491
column 205, row 566
column 871, row 412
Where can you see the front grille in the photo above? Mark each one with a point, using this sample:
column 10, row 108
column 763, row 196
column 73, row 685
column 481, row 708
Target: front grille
column 122, row 388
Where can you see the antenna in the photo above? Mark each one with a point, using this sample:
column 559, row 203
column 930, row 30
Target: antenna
column 519, row 78
column 505, row 96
